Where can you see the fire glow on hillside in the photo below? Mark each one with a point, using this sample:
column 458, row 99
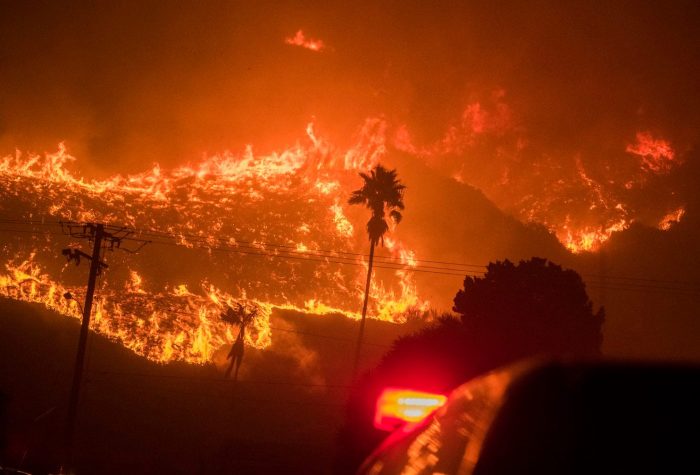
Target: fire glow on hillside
column 238, row 228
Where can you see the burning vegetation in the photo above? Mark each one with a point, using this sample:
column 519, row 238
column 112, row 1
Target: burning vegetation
column 268, row 231
column 272, row 231
column 220, row 147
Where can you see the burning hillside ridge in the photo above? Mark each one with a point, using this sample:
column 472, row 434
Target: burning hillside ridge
column 272, row 231
column 265, row 230
column 582, row 196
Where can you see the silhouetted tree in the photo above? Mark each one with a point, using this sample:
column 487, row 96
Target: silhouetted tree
column 512, row 312
column 535, row 307
column 242, row 317
column 381, row 192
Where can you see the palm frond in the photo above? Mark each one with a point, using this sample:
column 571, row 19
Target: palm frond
column 366, row 177
column 357, row 198
column 381, row 192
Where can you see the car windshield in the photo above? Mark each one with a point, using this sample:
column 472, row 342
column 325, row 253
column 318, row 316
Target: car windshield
column 556, row 419
column 451, row 438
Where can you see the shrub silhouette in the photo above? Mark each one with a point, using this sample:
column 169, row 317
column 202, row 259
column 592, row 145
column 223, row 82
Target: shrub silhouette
column 534, row 308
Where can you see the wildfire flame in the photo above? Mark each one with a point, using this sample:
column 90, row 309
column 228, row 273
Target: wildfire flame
column 656, row 155
column 578, row 200
column 271, row 230
column 671, row 218
column 300, row 39
column 229, row 232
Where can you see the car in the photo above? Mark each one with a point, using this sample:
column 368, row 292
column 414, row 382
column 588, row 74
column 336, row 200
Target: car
column 556, row 417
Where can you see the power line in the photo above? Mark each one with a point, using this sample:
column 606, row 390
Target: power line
column 250, row 249
column 21, row 231
column 257, row 245
column 302, row 256
column 623, row 286
column 28, row 221
column 248, row 244
column 293, row 252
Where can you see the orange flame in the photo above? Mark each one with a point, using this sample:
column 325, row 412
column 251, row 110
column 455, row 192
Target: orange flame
column 218, row 211
column 672, row 218
column 657, row 155
column 299, row 39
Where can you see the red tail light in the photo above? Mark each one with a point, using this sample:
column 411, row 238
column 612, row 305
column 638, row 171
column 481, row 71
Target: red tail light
column 398, row 407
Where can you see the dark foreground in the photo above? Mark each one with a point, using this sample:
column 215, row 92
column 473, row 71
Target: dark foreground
column 141, row 417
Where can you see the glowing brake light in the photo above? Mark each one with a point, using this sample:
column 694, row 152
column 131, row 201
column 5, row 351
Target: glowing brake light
column 398, row 407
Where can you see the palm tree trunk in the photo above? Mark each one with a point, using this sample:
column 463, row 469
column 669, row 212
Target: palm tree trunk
column 358, row 347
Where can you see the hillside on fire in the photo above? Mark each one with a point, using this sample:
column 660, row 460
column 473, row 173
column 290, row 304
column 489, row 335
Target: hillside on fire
column 218, row 218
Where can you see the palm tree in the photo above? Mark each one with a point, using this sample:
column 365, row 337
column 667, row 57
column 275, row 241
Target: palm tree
column 381, row 192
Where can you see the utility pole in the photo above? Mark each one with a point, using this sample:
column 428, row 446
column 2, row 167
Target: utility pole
column 97, row 233
column 95, row 265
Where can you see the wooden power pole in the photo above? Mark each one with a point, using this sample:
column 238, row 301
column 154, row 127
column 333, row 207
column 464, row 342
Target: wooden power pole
column 95, row 264
column 109, row 237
